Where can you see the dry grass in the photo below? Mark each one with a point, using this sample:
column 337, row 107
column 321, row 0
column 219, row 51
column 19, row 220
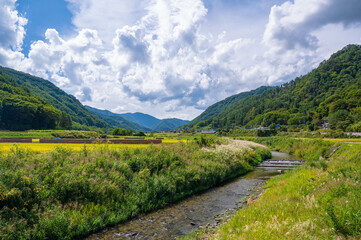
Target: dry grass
column 236, row 146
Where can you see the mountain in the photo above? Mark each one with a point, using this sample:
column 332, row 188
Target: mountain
column 169, row 124
column 116, row 120
column 21, row 110
column 54, row 96
column 146, row 122
column 141, row 119
column 218, row 107
column 331, row 92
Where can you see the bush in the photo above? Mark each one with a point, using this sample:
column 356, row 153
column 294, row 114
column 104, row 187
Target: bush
column 139, row 134
column 122, row 132
column 75, row 134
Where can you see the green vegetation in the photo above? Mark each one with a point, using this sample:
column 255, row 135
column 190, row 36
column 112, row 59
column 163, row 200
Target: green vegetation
column 139, row 134
column 75, row 134
column 55, row 97
column 122, row 132
column 332, row 92
column 320, row 200
column 212, row 111
column 19, row 109
column 35, row 134
column 67, row 194
column 28, row 134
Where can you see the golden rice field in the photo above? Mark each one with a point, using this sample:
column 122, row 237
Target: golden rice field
column 356, row 140
column 48, row 147
column 170, row 141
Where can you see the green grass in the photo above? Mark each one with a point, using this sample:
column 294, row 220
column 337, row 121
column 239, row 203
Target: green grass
column 66, row 194
column 49, row 134
column 27, row 134
column 321, row 200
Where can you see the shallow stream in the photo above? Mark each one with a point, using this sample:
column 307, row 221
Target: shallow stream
column 181, row 218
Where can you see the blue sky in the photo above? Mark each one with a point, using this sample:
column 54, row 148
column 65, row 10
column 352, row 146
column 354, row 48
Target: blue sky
column 171, row 58
column 44, row 14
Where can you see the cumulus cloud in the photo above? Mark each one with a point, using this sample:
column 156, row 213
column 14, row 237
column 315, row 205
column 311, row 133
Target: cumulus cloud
column 291, row 25
column 106, row 16
column 152, row 56
column 12, row 30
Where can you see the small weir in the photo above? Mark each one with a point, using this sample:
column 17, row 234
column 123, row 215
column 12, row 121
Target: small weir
column 280, row 163
column 200, row 210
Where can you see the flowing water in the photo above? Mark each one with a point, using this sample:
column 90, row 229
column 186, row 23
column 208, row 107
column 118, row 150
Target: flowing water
column 199, row 210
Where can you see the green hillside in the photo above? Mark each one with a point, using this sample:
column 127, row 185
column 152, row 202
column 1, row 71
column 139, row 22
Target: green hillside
column 218, row 107
column 53, row 95
column 21, row 110
column 330, row 93
column 115, row 120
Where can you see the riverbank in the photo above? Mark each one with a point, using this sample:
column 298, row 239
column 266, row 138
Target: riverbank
column 67, row 194
column 320, row 200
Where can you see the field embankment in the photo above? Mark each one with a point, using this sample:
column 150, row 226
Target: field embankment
column 66, row 194
column 320, row 200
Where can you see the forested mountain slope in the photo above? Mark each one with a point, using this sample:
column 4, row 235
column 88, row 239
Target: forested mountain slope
column 21, row 110
column 331, row 92
column 218, row 107
column 53, row 95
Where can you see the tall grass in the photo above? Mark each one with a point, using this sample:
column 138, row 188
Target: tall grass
column 67, row 194
column 321, row 200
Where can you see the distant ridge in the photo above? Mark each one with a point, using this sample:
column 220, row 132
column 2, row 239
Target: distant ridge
column 146, row 121
column 141, row 119
column 116, row 120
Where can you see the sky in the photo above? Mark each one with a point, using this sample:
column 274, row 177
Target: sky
column 171, row 58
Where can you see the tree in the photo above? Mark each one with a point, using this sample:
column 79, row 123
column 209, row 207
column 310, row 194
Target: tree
column 139, row 134
column 340, row 120
column 122, row 132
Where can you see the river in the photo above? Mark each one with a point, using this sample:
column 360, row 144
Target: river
column 179, row 219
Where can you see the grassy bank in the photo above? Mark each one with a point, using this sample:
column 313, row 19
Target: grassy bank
column 66, row 194
column 321, row 200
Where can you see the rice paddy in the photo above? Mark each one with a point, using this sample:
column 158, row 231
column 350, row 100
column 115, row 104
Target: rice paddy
column 48, row 147
column 355, row 140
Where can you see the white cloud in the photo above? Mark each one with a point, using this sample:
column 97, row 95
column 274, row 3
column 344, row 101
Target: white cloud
column 12, row 30
column 106, row 16
column 291, row 25
column 160, row 61
column 12, row 33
